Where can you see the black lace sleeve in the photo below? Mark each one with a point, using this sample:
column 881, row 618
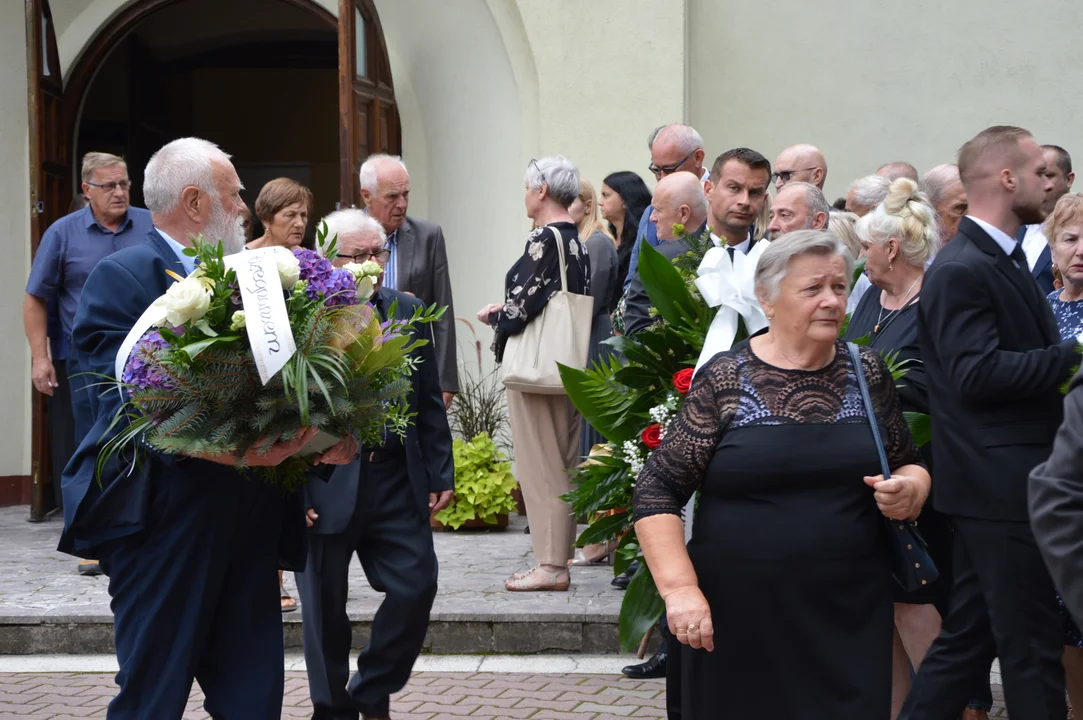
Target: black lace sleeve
column 676, row 469
column 898, row 442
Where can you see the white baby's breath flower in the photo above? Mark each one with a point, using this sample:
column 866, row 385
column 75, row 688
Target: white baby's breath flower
column 186, row 300
column 289, row 267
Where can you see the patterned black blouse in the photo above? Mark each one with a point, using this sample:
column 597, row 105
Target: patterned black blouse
column 736, row 389
column 534, row 278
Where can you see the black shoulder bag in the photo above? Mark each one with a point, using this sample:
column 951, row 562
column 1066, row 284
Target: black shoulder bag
column 911, row 564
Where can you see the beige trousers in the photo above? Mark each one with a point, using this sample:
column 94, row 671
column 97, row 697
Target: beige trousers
column 545, row 434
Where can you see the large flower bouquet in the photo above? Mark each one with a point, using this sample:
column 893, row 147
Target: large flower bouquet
column 249, row 349
column 632, row 396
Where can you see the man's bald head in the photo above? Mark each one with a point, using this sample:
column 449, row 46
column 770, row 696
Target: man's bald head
column 801, row 163
column 900, row 169
column 1003, row 171
column 675, row 148
column 679, row 200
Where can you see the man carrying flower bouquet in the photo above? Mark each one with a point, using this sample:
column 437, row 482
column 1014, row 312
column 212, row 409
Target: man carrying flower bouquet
column 377, row 507
column 190, row 543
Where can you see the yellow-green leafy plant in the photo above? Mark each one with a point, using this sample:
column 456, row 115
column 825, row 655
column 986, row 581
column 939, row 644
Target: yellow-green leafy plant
column 483, row 483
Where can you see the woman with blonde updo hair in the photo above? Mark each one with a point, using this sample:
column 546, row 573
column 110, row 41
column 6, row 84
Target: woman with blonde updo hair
column 899, row 237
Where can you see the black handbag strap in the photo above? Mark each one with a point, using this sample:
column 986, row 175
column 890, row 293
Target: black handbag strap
column 859, row 371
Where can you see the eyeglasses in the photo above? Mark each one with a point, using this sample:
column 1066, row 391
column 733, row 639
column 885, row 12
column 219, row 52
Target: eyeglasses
column 786, row 175
column 660, row 171
column 380, row 256
column 110, row 187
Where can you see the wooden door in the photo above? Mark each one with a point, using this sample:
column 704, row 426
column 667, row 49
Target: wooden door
column 368, row 119
column 50, row 194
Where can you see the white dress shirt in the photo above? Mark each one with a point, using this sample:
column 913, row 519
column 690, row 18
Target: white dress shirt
column 1034, row 242
column 741, row 247
column 1004, row 240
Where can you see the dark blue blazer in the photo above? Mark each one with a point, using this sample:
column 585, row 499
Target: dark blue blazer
column 1043, row 269
column 117, row 292
column 430, row 470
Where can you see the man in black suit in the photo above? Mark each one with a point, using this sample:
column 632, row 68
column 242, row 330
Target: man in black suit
column 995, row 363
column 377, row 507
column 678, row 200
column 418, row 262
column 1058, row 169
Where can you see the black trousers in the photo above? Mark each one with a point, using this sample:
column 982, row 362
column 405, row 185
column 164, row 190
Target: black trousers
column 1003, row 604
column 393, row 541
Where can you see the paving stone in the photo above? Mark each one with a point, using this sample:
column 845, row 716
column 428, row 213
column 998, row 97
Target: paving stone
column 46, row 607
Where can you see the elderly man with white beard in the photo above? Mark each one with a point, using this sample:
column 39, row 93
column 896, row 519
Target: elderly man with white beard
column 190, row 544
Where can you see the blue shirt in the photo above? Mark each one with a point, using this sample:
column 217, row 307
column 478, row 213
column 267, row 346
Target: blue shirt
column 189, row 263
column 71, row 248
column 647, row 230
column 390, row 280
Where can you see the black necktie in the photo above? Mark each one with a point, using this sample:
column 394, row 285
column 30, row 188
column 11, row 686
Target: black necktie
column 730, row 251
column 1020, row 258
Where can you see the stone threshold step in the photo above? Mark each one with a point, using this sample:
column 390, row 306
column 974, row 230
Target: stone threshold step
column 83, row 635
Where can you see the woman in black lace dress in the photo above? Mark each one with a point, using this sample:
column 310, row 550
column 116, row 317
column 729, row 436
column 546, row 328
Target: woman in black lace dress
column 783, row 595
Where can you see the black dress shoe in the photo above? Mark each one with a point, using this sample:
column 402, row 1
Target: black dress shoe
column 621, row 581
column 654, row 667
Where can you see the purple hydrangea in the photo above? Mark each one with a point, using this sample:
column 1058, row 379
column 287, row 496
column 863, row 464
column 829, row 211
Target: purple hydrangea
column 142, row 371
column 334, row 286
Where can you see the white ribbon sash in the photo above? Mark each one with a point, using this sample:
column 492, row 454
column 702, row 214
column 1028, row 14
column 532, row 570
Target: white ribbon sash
column 729, row 285
column 266, row 319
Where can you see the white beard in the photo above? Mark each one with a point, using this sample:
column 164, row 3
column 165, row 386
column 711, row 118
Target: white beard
column 230, row 230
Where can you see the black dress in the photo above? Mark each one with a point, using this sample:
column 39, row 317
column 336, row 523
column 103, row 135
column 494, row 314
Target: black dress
column 788, row 544
column 898, row 333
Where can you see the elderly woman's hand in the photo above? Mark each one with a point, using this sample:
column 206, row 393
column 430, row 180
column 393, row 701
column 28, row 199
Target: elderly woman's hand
column 900, row 498
column 689, row 617
column 485, row 312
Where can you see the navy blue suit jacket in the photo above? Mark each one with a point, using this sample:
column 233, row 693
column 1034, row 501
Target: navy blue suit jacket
column 117, row 292
column 1043, row 269
column 430, row 470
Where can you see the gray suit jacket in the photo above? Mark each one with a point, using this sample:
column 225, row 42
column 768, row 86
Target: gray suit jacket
column 637, row 317
column 1056, row 503
column 422, row 271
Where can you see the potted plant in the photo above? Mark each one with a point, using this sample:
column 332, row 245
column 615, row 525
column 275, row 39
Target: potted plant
column 485, row 489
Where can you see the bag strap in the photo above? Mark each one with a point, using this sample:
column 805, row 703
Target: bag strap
column 859, row 371
column 563, row 266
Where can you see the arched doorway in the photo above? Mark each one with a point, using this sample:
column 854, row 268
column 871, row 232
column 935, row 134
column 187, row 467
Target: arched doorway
column 281, row 85
column 264, row 79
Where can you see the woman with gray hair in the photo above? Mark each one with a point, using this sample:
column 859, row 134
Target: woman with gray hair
column 544, row 428
column 788, row 564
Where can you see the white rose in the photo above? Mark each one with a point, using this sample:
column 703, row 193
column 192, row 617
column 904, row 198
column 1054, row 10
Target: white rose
column 357, row 270
column 365, row 286
column 372, row 268
column 289, row 267
column 186, row 300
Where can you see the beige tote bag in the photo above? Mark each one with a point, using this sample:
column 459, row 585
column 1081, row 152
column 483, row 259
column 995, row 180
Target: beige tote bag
column 561, row 334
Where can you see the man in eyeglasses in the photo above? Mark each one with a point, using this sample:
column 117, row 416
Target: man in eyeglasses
column 674, row 148
column 68, row 251
column 803, row 163
column 377, row 507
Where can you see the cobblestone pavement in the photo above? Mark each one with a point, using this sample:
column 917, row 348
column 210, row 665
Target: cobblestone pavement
column 60, row 696
column 65, row 696
column 41, row 583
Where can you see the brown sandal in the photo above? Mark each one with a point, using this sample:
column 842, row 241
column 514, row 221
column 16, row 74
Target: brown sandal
column 537, row 579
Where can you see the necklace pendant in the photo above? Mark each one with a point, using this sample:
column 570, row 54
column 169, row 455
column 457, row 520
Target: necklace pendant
column 877, row 328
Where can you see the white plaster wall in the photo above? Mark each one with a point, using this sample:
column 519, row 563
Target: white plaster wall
column 872, row 82
column 15, row 233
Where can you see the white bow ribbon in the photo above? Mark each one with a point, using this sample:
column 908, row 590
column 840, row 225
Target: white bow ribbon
column 729, row 285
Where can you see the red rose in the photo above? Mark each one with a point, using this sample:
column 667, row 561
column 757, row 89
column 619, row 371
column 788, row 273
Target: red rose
column 682, row 380
column 652, row 436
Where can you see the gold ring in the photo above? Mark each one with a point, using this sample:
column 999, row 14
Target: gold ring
column 691, row 628
column 681, row 631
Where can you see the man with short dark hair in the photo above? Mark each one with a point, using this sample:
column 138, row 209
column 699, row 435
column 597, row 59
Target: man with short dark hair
column 736, row 193
column 1058, row 169
column 69, row 250
column 994, row 362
